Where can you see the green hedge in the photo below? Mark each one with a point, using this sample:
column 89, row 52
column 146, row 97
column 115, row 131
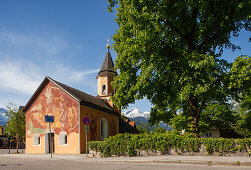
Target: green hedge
column 128, row 144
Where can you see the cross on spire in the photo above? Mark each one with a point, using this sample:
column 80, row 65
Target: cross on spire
column 108, row 45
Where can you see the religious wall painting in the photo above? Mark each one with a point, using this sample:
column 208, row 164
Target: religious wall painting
column 53, row 101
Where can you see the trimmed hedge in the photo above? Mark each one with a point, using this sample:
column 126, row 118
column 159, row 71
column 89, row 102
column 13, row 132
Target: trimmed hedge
column 128, row 144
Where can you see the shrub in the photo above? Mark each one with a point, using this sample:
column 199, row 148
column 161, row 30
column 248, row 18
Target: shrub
column 128, row 144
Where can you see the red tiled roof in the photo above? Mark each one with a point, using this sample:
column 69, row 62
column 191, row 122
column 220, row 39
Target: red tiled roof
column 132, row 123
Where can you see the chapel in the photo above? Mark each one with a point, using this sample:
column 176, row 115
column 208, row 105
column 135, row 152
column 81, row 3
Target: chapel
column 69, row 106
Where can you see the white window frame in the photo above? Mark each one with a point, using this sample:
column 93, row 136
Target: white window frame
column 34, row 138
column 105, row 130
column 65, row 134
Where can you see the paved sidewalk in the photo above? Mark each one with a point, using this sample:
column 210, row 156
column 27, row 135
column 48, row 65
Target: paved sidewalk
column 168, row 159
column 200, row 160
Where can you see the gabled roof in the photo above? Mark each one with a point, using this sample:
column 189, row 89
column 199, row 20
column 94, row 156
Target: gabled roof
column 83, row 98
column 107, row 66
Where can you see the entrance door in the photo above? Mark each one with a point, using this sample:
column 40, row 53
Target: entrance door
column 47, row 143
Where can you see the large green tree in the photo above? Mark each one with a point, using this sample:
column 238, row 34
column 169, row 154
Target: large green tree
column 240, row 85
column 16, row 123
column 169, row 52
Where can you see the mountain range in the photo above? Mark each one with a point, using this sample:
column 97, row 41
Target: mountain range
column 135, row 114
column 3, row 118
column 141, row 118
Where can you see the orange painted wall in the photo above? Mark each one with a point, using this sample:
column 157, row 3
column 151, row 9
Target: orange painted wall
column 53, row 101
column 106, row 80
column 101, row 81
column 30, row 148
column 94, row 127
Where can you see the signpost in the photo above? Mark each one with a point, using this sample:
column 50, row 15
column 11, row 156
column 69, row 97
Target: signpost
column 49, row 119
column 86, row 121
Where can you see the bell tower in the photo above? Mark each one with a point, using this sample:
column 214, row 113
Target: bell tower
column 105, row 77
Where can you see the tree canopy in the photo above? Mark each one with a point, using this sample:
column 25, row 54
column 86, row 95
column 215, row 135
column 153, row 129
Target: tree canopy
column 16, row 123
column 169, row 52
column 240, row 84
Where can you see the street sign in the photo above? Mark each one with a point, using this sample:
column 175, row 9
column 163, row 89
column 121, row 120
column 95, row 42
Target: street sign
column 86, row 129
column 86, row 120
column 49, row 118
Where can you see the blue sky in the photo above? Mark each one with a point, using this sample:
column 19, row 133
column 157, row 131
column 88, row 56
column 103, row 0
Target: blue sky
column 62, row 39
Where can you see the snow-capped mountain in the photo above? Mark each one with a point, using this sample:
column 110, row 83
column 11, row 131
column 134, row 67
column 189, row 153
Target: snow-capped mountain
column 136, row 114
column 3, row 118
column 139, row 117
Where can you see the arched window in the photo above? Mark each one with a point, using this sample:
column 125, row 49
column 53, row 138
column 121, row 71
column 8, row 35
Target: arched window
column 63, row 138
column 103, row 89
column 36, row 139
column 103, row 128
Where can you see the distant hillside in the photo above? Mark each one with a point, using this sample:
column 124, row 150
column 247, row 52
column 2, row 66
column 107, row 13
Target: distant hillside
column 3, row 118
column 141, row 118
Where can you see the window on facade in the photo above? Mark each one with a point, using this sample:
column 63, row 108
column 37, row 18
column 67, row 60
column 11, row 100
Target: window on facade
column 103, row 90
column 36, row 140
column 103, row 128
column 208, row 134
column 63, row 139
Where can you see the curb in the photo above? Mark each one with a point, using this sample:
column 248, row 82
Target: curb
column 193, row 162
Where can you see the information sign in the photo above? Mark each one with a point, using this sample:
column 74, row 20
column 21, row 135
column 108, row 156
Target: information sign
column 49, row 118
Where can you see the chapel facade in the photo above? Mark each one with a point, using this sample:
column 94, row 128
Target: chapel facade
column 69, row 106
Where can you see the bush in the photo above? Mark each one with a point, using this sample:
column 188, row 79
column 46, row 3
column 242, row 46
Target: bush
column 128, row 144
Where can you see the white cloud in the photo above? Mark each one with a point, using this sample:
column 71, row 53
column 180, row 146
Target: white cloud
column 66, row 74
column 80, row 75
column 26, row 77
column 13, row 77
column 25, row 60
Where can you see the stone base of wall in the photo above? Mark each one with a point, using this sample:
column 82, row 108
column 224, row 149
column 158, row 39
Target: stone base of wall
column 202, row 152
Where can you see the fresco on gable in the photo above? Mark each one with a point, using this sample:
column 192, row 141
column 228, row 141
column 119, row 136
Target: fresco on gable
column 53, row 101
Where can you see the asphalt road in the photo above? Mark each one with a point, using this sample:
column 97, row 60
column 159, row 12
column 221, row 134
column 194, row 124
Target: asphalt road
column 14, row 163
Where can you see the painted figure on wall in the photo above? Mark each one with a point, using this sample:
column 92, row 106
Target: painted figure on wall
column 53, row 101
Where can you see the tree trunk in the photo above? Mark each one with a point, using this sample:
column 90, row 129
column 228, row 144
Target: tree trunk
column 195, row 126
column 195, row 114
column 17, row 142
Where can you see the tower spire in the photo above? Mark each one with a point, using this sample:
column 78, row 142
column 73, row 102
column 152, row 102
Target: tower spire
column 105, row 77
column 107, row 66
